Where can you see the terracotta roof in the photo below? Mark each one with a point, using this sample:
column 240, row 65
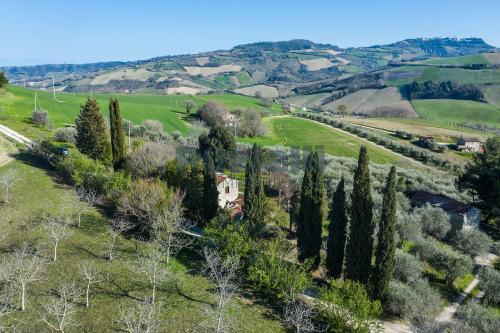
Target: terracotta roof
column 220, row 177
column 441, row 201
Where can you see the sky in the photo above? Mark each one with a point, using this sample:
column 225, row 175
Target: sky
column 77, row 31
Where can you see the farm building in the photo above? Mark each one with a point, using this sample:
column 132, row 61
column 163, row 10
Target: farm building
column 462, row 215
column 228, row 189
column 469, row 145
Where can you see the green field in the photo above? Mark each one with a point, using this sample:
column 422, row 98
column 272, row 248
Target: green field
column 18, row 103
column 460, row 76
column 185, row 297
column 443, row 112
column 244, row 79
column 492, row 95
column 306, row 134
column 463, row 60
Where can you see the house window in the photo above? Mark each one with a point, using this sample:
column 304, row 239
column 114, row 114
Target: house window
column 227, row 189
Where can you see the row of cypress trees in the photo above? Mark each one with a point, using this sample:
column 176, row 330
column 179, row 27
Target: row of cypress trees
column 350, row 246
column 91, row 133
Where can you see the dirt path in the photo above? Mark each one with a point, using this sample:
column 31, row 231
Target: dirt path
column 10, row 133
column 448, row 313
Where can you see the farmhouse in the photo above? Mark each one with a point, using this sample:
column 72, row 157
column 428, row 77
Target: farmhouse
column 469, row 145
column 462, row 215
column 228, row 189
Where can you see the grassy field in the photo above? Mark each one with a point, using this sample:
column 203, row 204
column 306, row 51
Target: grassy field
column 18, row 103
column 463, row 60
column 492, row 95
column 307, row 134
column 184, row 298
column 460, row 76
column 446, row 112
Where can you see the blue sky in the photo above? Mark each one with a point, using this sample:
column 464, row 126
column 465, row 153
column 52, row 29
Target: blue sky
column 51, row 31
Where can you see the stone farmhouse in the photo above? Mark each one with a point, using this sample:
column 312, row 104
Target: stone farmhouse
column 468, row 145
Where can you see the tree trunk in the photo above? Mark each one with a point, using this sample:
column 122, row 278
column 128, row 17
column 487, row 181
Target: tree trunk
column 87, row 303
column 55, row 252
column 79, row 219
column 23, row 293
column 219, row 315
column 154, row 293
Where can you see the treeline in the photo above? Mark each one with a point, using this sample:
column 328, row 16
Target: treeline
column 446, row 89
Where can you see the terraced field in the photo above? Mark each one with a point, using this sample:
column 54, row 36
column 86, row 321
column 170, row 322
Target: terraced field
column 306, row 134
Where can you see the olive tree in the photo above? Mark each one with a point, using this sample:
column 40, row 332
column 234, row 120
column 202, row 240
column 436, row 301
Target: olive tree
column 435, row 222
column 407, row 267
column 489, row 282
column 472, row 242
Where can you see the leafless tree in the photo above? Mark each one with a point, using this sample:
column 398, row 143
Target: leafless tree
column 20, row 269
column 58, row 230
column 85, row 197
column 169, row 225
column 117, row 228
column 300, row 317
column 59, row 314
column 143, row 317
column 92, row 275
column 7, row 180
column 149, row 159
column 153, row 269
column 223, row 272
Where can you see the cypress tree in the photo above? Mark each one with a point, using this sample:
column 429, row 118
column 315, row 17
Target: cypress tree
column 359, row 248
column 386, row 247
column 311, row 212
column 210, row 192
column 294, row 209
column 337, row 232
column 117, row 134
column 254, row 198
column 91, row 132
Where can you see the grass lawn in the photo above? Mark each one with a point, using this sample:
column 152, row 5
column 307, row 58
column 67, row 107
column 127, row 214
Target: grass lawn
column 444, row 112
column 307, row 134
column 244, row 79
column 492, row 95
column 184, row 298
column 18, row 103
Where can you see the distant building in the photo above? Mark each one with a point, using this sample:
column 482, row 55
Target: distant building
column 462, row 216
column 468, row 145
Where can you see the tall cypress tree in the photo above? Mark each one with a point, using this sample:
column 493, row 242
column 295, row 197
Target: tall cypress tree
column 337, row 232
column 311, row 211
column 359, row 248
column 117, row 134
column 91, row 132
column 294, row 209
column 210, row 192
column 386, row 247
column 254, row 198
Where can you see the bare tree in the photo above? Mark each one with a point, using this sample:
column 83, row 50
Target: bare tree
column 85, row 197
column 92, row 275
column 223, row 272
column 20, row 269
column 153, row 269
column 7, row 180
column 59, row 314
column 143, row 317
column 117, row 228
column 57, row 227
column 300, row 317
column 169, row 225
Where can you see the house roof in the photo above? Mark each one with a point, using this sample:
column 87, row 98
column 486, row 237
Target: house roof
column 462, row 141
column 448, row 204
column 220, row 177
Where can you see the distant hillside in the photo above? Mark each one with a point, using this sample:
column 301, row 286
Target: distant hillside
column 274, row 68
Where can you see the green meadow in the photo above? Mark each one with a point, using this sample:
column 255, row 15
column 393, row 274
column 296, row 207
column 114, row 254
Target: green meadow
column 307, row 134
column 447, row 112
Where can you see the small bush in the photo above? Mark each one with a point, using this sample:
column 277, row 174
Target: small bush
column 65, row 134
column 40, row 117
column 472, row 242
column 407, row 268
column 490, row 283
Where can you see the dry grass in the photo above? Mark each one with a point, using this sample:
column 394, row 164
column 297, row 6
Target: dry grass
column 367, row 101
column 182, row 90
column 316, row 64
column 207, row 71
column 140, row 74
column 202, row 61
column 266, row 91
column 493, row 58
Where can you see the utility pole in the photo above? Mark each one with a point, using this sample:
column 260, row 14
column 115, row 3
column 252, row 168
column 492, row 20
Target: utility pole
column 54, row 88
column 129, row 136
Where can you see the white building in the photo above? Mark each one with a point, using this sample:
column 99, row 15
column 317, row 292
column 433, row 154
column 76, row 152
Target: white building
column 472, row 145
column 228, row 190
